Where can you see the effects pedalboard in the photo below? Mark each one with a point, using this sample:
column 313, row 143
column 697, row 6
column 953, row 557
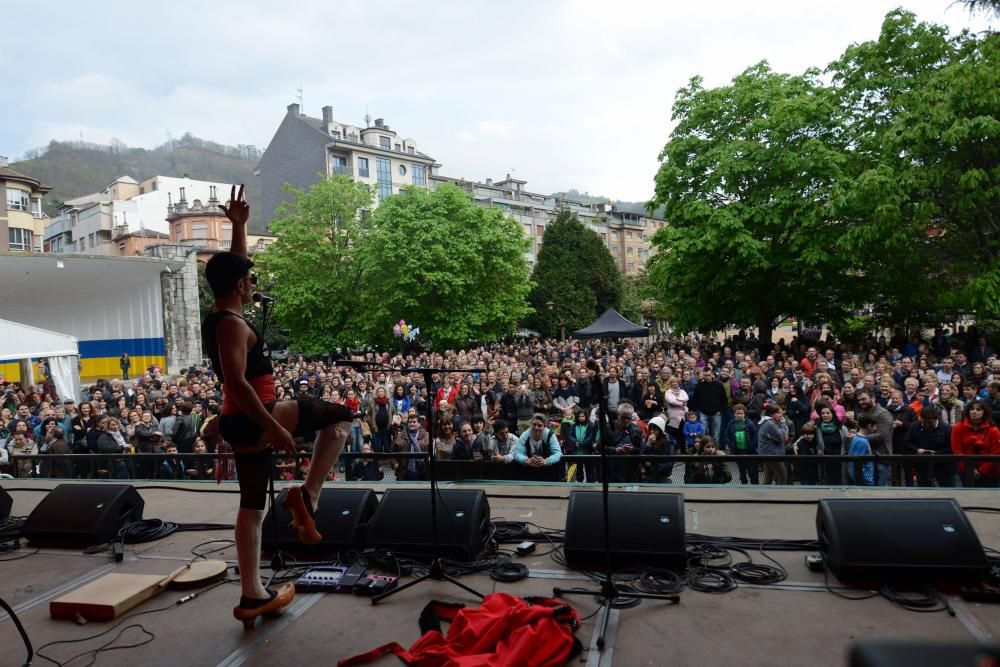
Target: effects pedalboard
column 344, row 579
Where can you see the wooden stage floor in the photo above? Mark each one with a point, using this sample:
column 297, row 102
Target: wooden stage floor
column 790, row 624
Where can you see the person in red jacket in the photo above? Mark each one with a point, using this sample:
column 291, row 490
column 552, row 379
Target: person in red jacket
column 976, row 434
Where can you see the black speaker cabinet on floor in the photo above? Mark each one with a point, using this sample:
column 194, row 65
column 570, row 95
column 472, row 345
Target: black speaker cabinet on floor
column 402, row 522
column 881, row 653
column 342, row 519
column 928, row 539
column 645, row 528
column 6, row 502
column 83, row 514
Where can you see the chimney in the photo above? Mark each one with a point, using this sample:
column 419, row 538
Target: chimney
column 489, row 181
column 293, row 109
column 379, row 122
column 3, row 161
column 327, row 116
column 182, row 199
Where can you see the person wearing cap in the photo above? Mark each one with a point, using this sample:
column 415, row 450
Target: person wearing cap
column 538, row 447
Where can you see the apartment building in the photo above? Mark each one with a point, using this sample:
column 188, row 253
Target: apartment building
column 22, row 221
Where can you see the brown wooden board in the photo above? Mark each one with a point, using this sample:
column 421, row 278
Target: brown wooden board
column 106, row 598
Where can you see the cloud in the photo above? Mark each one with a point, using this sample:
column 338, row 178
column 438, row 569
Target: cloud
column 569, row 93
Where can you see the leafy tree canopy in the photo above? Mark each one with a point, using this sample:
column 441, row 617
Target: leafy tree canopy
column 575, row 271
column 312, row 268
column 455, row 270
column 745, row 180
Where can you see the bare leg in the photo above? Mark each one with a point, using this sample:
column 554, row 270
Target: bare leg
column 248, row 525
column 326, row 450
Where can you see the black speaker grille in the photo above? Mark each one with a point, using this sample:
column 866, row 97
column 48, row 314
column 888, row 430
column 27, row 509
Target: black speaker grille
column 403, row 522
column 645, row 528
column 83, row 514
column 342, row 519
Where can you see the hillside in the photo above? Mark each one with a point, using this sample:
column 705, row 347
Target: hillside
column 74, row 169
column 587, row 198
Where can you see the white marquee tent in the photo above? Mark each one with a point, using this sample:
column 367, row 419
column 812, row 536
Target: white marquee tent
column 22, row 342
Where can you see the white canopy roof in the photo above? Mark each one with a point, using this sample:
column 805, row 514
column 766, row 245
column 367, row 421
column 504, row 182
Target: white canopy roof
column 20, row 341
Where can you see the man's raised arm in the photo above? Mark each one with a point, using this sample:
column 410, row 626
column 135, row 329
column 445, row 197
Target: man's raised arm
column 238, row 213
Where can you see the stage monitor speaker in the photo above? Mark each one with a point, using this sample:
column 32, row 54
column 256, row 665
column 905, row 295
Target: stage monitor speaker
column 342, row 519
column 897, row 539
column 645, row 528
column 885, row 653
column 83, row 514
column 402, row 522
column 6, row 502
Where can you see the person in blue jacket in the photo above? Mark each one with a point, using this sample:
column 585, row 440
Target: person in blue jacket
column 538, row 445
column 740, row 438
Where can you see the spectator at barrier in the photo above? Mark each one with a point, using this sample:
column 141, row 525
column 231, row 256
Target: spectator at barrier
column 709, row 469
column 444, row 441
column 626, row 440
column 366, row 468
column 198, row 467
column 22, row 445
column 833, row 440
column 111, row 441
column 499, row 445
column 538, row 445
column 658, row 443
column 879, row 439
column 740, row 438
column 859, row 432
column 400, row 401
column 465, row 445
column 976, row 434
column 807, row 444
column 58, row 467
column 772, row 436
column 579, row 435
column 172, row 467
column 414, row 440
column 693, row 429
column 926, row 437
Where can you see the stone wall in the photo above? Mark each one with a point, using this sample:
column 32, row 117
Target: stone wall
column 181, row 321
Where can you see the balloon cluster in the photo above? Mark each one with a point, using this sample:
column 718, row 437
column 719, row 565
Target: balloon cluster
column 403, row 330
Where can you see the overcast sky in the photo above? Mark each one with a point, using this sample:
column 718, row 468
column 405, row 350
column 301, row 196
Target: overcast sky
column 569, row 94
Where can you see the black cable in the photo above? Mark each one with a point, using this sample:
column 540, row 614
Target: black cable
column 921, row 599
column 509, row 572
column 20, row 629
column 706, row 580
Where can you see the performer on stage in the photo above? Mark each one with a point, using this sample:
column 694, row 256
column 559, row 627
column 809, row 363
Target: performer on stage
column 253, row 423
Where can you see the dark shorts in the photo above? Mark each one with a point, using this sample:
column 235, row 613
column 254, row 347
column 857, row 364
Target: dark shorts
column 241, row 431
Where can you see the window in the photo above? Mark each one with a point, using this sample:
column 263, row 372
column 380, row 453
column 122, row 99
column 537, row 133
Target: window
column 19, row 239
column 385, row 142
column 83, row 245
column 383, row 170
column 419, row 174
column 227, row 232
column 17, row 200
column 335, row 134
column 90, row 240
column 199, row 231
column 402, row 170
column 363, row 167
column 121, row 248
column 36, row 207
column 628, row 235
column 411, row 150
column 338, row 166
column 399, row 148
column 539, row 230
column 628, row 250
column 353, row 137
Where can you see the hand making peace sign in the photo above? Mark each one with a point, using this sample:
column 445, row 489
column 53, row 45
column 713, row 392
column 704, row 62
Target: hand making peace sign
column 238, row 210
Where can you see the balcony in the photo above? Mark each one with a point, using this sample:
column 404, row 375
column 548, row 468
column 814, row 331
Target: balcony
column 342, row 170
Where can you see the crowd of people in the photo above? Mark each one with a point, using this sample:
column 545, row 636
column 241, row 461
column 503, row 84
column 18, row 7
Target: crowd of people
column 535, row 401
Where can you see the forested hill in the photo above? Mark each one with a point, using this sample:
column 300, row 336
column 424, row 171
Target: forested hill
column 74, row 168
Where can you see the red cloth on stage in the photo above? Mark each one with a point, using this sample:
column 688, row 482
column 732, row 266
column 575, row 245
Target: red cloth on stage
column 504, row 630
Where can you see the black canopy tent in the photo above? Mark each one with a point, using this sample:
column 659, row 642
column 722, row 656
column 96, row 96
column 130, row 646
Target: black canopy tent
column 611, row 324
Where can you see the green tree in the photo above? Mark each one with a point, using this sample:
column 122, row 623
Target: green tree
column 312, row 264
column 921, row 195
column 575, row 271
column 456, row 270
column 745, row 180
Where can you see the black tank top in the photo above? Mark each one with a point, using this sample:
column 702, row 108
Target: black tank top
column 257, row 363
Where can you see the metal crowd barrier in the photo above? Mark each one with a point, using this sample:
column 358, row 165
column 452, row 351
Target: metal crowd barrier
column 896, row 470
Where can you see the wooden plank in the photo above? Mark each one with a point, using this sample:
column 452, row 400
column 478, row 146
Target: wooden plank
column 107, row 598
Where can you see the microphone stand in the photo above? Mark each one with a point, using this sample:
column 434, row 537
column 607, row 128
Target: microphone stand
column 609, row 595
column 436, row 572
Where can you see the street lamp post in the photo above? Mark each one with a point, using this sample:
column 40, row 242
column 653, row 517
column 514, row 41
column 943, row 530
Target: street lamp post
column 552, row 325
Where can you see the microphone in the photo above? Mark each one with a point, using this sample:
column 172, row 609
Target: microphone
column 260, row 297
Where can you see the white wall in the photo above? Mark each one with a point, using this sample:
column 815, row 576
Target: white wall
column 149, row 210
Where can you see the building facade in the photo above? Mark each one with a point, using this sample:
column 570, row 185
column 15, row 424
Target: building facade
column 304, row 149
column 22, row 221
